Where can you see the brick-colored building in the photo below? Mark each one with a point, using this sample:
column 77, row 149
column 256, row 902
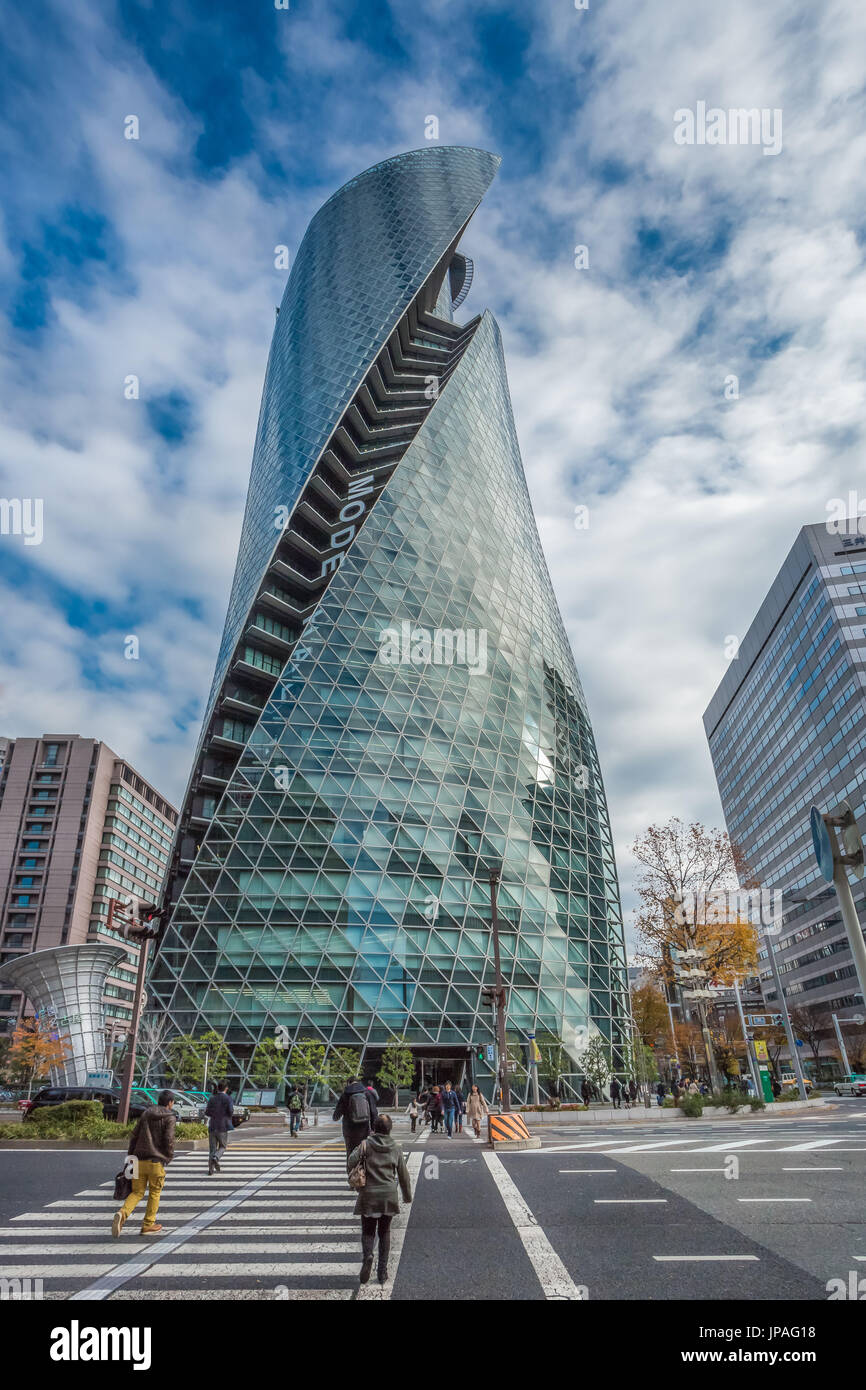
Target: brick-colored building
column 77, row 826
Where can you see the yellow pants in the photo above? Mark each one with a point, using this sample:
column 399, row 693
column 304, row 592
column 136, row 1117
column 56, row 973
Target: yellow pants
column 151, row 1178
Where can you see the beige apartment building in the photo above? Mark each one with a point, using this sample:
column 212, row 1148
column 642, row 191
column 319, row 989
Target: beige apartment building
column 78, row 826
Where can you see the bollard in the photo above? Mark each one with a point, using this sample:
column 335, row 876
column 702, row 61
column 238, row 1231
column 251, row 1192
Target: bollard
column 316, row 1116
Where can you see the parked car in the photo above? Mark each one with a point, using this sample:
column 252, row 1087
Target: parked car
column 853, row 1085
column 187, row 1110
column 241, row 1113
column 110, row 1096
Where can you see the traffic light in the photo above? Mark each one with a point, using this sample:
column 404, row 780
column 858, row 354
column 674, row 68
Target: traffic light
column 479, row 1052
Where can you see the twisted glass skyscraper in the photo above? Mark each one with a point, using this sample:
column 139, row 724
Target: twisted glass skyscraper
column 395, row 704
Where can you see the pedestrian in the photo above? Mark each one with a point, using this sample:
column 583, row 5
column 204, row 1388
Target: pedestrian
column 461, row 1110
column 776, row 1088
column 675, row 1090
column 412, row 1112
column 379, row 1199
column 660, row 1093
column 694, row 1088
column 615, row 1093
column 476, row 1109
column 296, row 1110
column 373, row 1092
column 586, row 1092
column 437, row 1109
column 424, row 1103
column 451, row 1107
column 357, row 1109
column 626, row 1095
column 632, row 1090
column 219, row 1111
column 152, row 1146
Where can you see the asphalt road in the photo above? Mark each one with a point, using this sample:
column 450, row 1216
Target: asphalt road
column 767, row 1208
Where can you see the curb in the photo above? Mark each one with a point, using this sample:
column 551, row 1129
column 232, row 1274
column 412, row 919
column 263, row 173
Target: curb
column 181, row 1146
column 515, row 1144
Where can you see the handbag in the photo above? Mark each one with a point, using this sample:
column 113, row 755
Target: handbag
column 122, row 1186
column 358, row 1175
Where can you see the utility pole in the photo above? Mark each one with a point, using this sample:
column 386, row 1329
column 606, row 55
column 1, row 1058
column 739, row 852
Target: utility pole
column 497, row 993
column 138, row 929
column 834, row 864
column 846, row 1065
column 786, row 1018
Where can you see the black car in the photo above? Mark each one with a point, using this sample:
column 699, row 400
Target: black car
column 108, row 1095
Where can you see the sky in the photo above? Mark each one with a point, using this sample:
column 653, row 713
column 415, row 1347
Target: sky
column 688, row 389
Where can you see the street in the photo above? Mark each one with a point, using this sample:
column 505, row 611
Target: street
column 767, row 1208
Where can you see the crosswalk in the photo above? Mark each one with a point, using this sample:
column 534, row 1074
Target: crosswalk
column 770, row 1143
column 268, row 1226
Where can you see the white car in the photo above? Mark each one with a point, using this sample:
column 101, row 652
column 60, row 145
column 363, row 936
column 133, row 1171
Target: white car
column 854, row 1085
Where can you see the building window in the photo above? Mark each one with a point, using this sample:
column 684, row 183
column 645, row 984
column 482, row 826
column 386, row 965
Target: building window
column 26, row 882
column 23, row 900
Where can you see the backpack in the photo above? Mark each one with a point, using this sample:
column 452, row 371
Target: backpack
column 296, row 1103
column 359, row 1108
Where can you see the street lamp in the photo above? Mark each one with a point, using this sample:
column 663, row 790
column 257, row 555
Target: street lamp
column 139, row 923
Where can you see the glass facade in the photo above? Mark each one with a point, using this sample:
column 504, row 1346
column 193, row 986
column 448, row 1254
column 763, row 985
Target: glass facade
column 414, row 714
column 787, row 730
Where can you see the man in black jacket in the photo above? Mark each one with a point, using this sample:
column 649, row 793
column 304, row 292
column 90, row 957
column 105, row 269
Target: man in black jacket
column 357, row 1109
column 219, row 1109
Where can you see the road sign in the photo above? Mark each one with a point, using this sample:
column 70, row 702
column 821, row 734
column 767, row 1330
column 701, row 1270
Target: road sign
column 761, row 1050
column 821, row 844
column 100, row 1078
column 491, row 1052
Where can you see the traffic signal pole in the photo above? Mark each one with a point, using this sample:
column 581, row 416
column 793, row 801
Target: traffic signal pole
column 129, row 1060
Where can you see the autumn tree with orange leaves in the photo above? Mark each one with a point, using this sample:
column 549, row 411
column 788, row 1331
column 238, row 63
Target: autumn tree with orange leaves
column 686, row 872
column 35, row 1051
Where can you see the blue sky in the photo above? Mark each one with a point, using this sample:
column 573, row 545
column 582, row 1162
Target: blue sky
column 155, row 258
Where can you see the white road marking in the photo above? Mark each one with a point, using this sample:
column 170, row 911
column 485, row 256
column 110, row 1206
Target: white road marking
column 243, row 1247
column 589, row 1170
column 556, row 1282
column 774, row 1199
column 630, row 1201
column 810, row 1144
column 275, row 1270
column 815, row 1169
column 697, row 1170
column 731, row 1144
column 112, row 1278
column 670, row 1258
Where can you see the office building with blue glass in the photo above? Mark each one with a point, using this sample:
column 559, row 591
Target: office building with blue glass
column 787, row 730
column 395, row 706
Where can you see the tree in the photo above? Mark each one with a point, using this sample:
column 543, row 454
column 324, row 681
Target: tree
column 189, row 1060
column 688, row 873
column 152, row 1035
column 812, row 1023
column 269, row 1064
column 554, row 1059
column 398, row 1066
column 595, row 1061
column 36, row 1048
column 855, row 1046
column 307, row 1066
column 343, row 1062
column 650, row 1014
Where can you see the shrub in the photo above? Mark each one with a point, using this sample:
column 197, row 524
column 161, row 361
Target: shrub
column 755, row 1103
column 731, row 1099
column 71, row 1112
column 692, row 1107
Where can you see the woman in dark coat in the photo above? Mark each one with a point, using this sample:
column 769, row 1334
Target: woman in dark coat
column 379, row 1200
